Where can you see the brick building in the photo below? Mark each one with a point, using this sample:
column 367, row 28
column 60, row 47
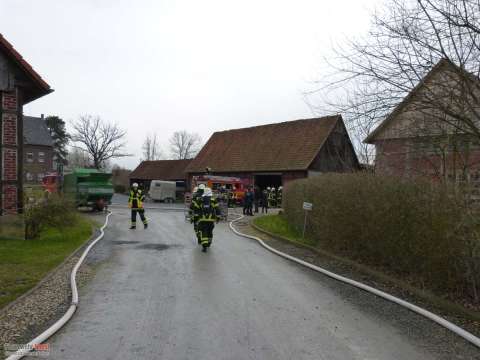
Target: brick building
column 38, row 154
column 19, row 85
column 421, row 137
column 274, row 154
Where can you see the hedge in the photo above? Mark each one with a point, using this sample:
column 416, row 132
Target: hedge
column 422, row 231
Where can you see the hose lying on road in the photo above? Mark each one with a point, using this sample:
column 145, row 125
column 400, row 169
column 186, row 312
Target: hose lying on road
column 71, row 310
column 429, row 315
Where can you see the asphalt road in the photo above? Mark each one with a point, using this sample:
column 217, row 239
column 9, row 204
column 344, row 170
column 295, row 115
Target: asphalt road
column 157, row 296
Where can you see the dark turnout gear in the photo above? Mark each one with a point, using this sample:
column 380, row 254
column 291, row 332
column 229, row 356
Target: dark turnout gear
column 264, row 201
column 257, row 194
column 248, row 203
column 195, row 209
column 135, row 202
column 208, row 213
column 279, row 196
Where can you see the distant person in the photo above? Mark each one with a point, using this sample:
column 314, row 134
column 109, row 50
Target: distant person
column 265, row 201
column 257, row 194
column 279, row 196
column 248, row 202
column 135, row 203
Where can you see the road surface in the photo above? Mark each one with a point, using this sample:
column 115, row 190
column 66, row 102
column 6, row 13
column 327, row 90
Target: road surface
column 157, row 296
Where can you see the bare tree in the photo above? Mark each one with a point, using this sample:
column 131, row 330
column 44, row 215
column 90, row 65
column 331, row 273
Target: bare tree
column 102, row 140
column 372, row 75
column 151, row 148
column 184, row 145
column 78, row 158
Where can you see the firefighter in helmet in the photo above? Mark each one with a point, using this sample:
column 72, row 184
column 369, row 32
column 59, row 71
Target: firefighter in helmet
column 279, row 196
column 135, row 202
column 208, row 213
column 195, row 208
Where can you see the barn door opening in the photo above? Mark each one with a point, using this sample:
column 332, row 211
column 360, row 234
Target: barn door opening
column 268, row 180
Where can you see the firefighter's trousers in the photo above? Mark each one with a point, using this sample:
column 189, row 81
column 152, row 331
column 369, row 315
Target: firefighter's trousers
column 195, row 228
column 205, row 231
column 140, row 212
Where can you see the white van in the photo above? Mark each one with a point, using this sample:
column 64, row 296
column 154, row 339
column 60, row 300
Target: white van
column 162, row 191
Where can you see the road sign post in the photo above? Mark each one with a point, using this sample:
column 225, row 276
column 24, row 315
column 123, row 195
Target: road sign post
column 306, row 207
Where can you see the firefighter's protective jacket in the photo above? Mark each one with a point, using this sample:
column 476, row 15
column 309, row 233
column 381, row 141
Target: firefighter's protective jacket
column 207, row 209
column 136, row 199
column 195, row 207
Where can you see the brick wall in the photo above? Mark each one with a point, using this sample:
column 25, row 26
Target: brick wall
column 34, row 166
column 398, row 157
column 10, row 178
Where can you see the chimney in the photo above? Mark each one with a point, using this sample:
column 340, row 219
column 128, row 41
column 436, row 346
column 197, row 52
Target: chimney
column 42, row 116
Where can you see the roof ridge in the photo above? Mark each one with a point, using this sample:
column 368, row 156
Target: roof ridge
column 279, row 123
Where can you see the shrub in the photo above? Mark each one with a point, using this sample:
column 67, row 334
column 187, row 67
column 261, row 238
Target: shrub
column 55, row 211
column 119, row 188
column 417, row 229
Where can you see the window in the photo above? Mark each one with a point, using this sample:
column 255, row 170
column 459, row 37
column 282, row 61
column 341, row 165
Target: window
column 40, row 177
column 29, row 176
column 41, row 157
column 30, row 157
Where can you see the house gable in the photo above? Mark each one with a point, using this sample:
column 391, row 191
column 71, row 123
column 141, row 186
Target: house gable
column 336, row 153
column 421, row 113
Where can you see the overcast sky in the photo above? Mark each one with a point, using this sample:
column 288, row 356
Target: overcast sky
column 161, row 66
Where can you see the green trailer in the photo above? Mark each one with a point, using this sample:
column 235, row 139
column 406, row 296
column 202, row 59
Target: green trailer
column 89, row 187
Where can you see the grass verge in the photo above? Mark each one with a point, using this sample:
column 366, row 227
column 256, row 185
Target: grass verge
column 278, row 226
column 23, row 263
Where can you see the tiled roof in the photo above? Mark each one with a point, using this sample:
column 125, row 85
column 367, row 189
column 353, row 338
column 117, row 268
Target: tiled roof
column 15, row 56
column 290, row 145
column 35, row 131
column 161, row 170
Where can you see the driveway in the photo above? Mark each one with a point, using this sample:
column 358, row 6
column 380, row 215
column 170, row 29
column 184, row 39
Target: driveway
column 157, row 296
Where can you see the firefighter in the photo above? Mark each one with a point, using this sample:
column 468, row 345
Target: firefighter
column 279, row 196
column 256, row 197
column 274, row 197
column 270, row 196
column 208, row 214
column 195, row 207
column 265, row 201
column 135, row 202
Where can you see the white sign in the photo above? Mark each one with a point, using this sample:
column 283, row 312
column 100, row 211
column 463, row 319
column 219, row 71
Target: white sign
column 307, row 206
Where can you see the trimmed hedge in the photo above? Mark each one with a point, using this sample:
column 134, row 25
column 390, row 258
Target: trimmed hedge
column 419, row 230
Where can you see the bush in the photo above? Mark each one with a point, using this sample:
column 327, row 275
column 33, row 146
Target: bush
column 119, row 188
column 420, row 230
column 55, row 211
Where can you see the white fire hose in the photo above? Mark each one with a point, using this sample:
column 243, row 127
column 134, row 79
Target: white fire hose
column 71, row 310
column 429, row 315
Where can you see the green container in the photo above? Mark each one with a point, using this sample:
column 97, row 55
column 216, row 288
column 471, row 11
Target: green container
column 89, row 187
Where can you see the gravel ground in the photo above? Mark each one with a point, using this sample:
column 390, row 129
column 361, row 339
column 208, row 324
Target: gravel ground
column 38, row 309
column 435, row 338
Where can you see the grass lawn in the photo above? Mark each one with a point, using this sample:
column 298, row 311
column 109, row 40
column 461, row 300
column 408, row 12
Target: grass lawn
column 23, row 263
column 278, row 225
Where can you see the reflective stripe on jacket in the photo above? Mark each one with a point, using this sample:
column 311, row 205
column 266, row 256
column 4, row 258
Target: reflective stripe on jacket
column 136, row 198
column 208, row 212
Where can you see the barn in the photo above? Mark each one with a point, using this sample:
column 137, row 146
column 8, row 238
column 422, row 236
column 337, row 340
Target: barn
column 274, row 154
